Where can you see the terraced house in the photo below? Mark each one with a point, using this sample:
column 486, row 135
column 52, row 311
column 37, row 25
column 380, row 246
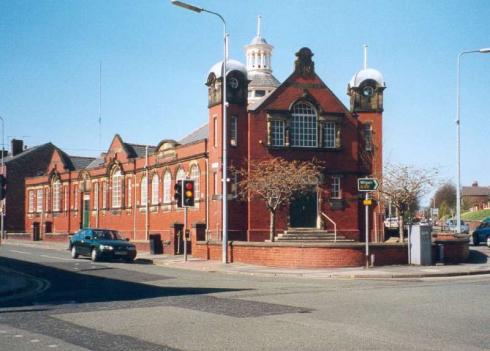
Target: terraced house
column 130, row 188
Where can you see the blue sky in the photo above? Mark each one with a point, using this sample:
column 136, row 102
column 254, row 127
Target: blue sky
column 155, row 58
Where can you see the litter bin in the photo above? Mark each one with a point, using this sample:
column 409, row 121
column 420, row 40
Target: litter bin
column 36, row 232
column 156, row 246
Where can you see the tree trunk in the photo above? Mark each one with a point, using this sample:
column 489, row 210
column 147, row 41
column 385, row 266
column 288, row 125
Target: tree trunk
column 273, row 226
column 400, row 224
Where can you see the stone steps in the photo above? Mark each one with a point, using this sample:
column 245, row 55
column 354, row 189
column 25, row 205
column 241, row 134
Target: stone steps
column 309, row 235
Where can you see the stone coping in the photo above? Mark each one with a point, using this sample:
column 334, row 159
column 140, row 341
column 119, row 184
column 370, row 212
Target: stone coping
column 301, row 244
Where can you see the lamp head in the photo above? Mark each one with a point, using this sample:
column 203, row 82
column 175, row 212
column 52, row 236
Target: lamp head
column 186, row 6
column 485, row 51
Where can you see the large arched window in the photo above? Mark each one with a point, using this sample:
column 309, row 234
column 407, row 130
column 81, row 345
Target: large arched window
column 116, row 189
column 195, row 177
column 155, row 183
column 56, row 195
column 304, row 125
column 180, row 175
column 167, row 183
column 144, row 191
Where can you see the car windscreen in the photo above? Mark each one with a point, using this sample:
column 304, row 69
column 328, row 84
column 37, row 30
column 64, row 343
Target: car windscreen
column 107, row 235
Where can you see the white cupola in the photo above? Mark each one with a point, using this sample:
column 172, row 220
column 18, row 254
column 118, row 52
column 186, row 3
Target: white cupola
column 259, row 68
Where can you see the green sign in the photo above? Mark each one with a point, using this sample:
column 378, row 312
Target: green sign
column 367, row 184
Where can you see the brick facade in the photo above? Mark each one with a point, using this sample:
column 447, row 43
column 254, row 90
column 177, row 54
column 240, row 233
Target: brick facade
column 86, row 191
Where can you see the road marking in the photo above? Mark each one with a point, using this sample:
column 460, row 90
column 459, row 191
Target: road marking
column 21, row 252
column 53, row 346
column 35, row 340
column 18, row 336
column 56, row 257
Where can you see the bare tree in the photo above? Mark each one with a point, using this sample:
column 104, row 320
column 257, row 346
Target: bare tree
column 276, row 182
column 404, row 186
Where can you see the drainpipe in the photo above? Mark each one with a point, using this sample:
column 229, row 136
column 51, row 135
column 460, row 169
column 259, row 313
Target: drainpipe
column 133, row 203
column 147, row 218
column 207, row 198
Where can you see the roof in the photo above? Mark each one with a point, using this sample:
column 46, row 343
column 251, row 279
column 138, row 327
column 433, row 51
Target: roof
column 231, row 65
column 366, row 74
column 199, row 134
column 258, row 40
column 262, row 79
column 25, row 152
column 95, row 163
column 137, row 150
column 475, row 191
column 79, row 162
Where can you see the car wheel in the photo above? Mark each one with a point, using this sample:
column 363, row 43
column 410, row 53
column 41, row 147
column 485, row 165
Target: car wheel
column 129, row 260
column 93, row 255
column 74, row 253
column 475, row 240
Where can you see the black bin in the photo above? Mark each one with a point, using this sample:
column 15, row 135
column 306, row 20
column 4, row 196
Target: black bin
column 36, row 232
column 156, row 245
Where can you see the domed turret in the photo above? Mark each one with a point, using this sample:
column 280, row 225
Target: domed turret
column 366, row 89
column 236, row 83
column 259, row 68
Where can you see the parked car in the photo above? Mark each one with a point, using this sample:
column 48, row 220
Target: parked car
column 482, row 234
column 451, row 225
column 101, row 244
column 391, row 223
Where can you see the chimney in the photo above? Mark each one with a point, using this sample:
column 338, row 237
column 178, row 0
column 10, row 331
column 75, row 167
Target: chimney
column 17, row 146
column 475, row 183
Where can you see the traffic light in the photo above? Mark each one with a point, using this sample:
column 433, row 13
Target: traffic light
column 178, row 193
column 3, row 186
column 188, row 193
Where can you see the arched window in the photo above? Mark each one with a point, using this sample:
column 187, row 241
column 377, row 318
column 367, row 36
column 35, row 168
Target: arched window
column 180, row 175
column 155, row 183
column 304, row 125
column 195, row 177
column 144, row 191
column 167, row 183
column 56, row 195
column 116, row 189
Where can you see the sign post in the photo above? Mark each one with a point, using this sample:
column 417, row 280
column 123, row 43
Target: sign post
column 367, row 185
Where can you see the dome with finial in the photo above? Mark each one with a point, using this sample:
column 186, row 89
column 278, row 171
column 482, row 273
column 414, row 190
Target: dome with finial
column 231, row 65
column 367, row 74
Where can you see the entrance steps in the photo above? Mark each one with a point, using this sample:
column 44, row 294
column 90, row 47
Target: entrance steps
column 309, row 235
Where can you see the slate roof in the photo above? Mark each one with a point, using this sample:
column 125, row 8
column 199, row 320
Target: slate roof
column 475, row 191
column 25, row 152
column 262, row 80
column 199, row 134
column 79, row 162
column 95, row 163
column 136, row 150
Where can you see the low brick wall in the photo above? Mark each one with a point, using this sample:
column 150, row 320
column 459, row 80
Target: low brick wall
column 19, row 236
column 297, row 255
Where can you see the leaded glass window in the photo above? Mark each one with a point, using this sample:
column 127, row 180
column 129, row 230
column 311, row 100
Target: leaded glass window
column 304, row 125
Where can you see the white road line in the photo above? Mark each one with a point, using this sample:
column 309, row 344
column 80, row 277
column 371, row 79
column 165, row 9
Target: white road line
column 56, row 257
column 21, row 252
column 18, row 336
column 35, row 340
column 53, row 346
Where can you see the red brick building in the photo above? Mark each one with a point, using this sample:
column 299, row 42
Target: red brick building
column 131, row 187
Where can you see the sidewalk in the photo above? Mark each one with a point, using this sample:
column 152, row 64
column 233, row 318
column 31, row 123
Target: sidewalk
column 479, row 264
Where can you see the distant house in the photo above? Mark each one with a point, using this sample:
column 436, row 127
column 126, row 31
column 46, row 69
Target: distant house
column 476, row 197
column 19, row 164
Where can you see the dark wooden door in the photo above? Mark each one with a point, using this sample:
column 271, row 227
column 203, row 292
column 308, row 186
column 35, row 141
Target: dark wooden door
column 303, row 210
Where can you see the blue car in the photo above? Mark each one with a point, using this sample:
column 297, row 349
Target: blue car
column 482, row 234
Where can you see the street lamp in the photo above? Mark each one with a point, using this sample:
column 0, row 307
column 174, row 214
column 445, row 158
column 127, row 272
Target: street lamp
column 2, row 202
column 458, row 127
column 224, row 104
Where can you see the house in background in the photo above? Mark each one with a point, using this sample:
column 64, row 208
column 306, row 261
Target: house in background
column 475, row 197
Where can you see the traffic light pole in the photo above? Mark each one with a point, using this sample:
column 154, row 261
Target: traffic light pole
column 185, row 233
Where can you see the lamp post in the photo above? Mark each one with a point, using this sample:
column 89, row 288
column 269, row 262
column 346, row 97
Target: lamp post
column 224, row 104
column 458, row 128
column 2, row 202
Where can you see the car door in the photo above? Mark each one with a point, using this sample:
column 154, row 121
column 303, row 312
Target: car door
column 85, row 241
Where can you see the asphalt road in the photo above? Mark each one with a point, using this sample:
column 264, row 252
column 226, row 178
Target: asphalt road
column 79, row 305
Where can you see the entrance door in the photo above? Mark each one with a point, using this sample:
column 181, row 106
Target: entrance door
column 303, row 210
column 86, row 213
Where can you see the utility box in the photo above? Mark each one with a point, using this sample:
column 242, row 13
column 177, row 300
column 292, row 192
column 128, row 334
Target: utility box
column 420, row 245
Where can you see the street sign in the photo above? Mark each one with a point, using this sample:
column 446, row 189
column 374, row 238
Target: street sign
column 367, row 184
column 367, row 202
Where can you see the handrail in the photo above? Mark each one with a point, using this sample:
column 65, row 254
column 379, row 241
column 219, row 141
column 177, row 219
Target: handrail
column 334, row 226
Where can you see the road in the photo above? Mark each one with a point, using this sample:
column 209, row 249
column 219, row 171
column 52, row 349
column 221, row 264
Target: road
column 80, row 305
